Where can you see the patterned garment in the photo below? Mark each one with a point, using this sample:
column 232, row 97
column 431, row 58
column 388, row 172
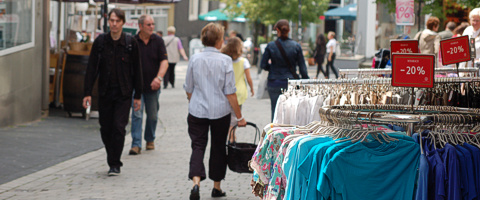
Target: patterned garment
column 263, row 160
column 276, row 187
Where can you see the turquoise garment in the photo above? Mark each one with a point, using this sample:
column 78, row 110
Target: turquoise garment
column 373, row 171
column 295, row 182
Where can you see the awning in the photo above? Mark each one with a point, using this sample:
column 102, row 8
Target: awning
column 348, row 12
column 127, row 1
column 219, row 15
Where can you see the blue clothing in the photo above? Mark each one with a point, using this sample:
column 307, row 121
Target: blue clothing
column 279, row 69
column 151, row 105
column 295, row 183
column 274, row 93
column 476, row 165
column 437, row 173
column 467, row 164
column 422, row 184
column 209, row 79
column 452, row 167
column 391, row 170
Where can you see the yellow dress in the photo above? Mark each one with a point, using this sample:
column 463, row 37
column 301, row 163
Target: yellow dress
column 240, row 83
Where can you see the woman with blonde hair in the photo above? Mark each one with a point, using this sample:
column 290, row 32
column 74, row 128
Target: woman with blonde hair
column 210, row 88
column 241, row 69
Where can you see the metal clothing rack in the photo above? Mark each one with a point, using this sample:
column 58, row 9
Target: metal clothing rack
column 389, row 71
column 377, row 80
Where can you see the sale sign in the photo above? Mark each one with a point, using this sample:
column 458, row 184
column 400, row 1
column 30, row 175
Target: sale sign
column 404, row 12
column 455, row 50
column 413, row 70
column 404, row 46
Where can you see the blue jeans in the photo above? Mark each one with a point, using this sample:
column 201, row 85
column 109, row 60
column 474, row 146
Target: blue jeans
column 274, row 93
column 150, row 102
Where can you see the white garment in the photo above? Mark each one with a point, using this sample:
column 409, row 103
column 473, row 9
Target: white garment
column 331, row 43
column 316, row 108
column 303, row 111
column 278, row 115
column 473, row 34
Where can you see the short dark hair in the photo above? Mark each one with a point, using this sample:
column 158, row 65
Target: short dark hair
column 118, row 12
column 451, row 25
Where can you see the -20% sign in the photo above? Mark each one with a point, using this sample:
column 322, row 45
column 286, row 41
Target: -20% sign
column 457, row 49
column 414, row 70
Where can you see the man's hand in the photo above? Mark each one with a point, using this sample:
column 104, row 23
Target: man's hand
column 156, row 84
column 137, row 103
column 87, row 101
column 253, row 92
column 242, row 123
column 185, row 58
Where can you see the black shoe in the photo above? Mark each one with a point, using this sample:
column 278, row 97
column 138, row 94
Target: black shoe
column 114, row 171
column 195, row 193
column 218, row 193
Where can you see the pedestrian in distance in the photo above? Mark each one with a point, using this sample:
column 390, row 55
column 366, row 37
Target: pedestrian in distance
column 153, row 56
column 319, row 54
column 159, row 33
column 428, row 39
column 281, row 58
column 331, row 48
column 448, row 32
column 473, row 31
column 241, row 69
column 174, row 46
column 115, row 59
column 210, row 89
column 458, row 31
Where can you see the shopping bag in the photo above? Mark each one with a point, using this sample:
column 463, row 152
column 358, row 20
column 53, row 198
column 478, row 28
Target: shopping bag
column 240, row 154
column 262, row 92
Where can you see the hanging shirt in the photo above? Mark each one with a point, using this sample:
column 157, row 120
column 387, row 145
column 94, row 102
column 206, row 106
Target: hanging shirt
column 476, row 164
column 437, row 173
column 423, row 169
column 467, row 169
column 363, row 172
column 452, row 167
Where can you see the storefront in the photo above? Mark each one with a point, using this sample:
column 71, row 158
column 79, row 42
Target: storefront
column 23, row 75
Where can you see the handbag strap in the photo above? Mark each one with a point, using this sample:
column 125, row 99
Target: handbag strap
column 257, row 132
column 284, row 55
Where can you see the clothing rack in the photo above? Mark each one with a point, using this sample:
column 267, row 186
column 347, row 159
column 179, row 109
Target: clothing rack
column 389, row 71
column 377, row 80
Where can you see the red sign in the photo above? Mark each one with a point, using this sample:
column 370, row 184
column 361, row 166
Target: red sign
column 455, row 50
column 413, row 70
column 404, row 46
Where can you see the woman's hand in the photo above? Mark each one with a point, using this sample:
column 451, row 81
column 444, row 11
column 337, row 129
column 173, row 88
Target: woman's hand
column 242, row 123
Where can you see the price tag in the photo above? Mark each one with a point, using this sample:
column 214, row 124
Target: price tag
column 403, row 46
column 455, row 50
column 413, row 70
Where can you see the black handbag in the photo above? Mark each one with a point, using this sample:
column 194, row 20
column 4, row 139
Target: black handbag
column 240, row 154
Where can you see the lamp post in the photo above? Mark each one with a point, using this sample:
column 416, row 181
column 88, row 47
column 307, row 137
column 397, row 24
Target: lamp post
column 300, row 21
column 105, row 17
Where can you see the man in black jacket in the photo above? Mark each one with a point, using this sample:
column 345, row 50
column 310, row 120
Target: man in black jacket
column 116, row 59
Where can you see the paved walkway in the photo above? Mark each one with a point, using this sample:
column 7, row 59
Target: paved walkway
column 158, row 174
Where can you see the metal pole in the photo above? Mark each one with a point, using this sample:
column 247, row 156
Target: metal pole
column 105, row 17
column 419, row 13
column 300, row 21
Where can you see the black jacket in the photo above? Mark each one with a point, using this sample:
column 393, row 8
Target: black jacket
column 100, row 61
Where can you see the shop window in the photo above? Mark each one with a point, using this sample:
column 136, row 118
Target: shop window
column 16, row 25
column 193, row 10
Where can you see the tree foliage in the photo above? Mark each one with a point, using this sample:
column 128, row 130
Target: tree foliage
column 270, row 11
column 436, row 7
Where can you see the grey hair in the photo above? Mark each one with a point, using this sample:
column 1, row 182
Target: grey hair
column 474, row 12
column 142, row 18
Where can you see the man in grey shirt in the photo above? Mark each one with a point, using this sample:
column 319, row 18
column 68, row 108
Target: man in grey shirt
column 448, row 32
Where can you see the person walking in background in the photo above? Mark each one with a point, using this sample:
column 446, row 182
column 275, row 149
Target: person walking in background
column 458, row 31
column 428, row 39
column 115, row 58
column 448, row 32
column 473, row 31
column 281, row 58
column 210, row 88
column 174, row 46
column 319, row 54
column 331, row 48
column 160, row 33
column 241, row 69
column 154, row 65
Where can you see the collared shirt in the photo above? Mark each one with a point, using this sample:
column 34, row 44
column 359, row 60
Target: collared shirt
column 151, row 55
column 209, row 79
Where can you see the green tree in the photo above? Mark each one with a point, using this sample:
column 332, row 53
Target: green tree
column 435, row 7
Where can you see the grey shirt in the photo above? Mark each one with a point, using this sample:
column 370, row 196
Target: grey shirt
column 209, row 79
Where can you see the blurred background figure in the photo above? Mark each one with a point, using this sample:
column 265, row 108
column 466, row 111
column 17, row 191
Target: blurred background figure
column 429, row 40
column 174, row 47
column 448, row 32
column 160, row 33
column 458, row 31
column 319, row 54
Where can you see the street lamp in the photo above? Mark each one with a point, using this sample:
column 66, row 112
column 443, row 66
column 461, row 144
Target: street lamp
column 300, row 21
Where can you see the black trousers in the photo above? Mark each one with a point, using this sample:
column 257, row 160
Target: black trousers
column 320, row 60
column 113, row 110
column 198, row 131
column 169, row 75
column 330, row 65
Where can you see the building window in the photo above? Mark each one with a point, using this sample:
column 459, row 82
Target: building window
column 193, row 10
column 204, row 7
column 16, row 25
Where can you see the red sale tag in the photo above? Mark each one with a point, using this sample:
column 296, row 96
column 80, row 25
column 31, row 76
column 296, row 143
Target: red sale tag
column 403, row 46
column 413, row 70
column 455, row 50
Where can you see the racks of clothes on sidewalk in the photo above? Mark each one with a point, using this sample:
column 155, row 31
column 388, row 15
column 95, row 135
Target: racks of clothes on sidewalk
column 469, row 72
column 364, row 152
column 299, row 104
